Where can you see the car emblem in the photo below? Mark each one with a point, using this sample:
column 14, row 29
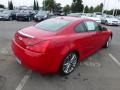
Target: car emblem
column 20, row 38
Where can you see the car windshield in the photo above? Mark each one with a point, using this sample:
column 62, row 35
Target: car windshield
column 42, row 13
column 110, row 16
column 52, row 24
column 74, row 14
column 24, row 12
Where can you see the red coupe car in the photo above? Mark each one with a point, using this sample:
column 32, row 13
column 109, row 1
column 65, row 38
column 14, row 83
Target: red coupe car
column 57, row 44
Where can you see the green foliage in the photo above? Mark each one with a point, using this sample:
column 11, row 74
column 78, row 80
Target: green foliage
column 77, row 6
column 117, row 12
column 66, row 9
column 91, row 10
column 49, row 5
column 35, row 5
column 99, row 8
column 58, row 7
column 10, row 5
column 86, row 9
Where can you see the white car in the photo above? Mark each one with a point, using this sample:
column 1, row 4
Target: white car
column 118, row 17
column 93, row 17
column 110, row 20
column 75, row 14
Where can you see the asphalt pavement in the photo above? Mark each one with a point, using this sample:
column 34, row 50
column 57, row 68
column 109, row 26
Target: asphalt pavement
column 100, row 71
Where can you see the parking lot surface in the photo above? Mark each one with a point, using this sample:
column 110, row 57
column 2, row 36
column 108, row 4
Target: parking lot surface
column 100, row 71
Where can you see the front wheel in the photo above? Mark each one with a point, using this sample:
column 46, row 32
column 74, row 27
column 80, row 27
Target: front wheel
column 108, row 42
column 69, row 63
column 106, row 23
column 29, row 18
column 10, row 18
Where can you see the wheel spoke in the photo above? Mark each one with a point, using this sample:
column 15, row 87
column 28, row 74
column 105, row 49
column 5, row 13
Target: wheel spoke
column 70, row 63
column 73, row 57
column 67, row 68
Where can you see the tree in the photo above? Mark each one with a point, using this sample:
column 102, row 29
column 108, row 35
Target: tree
column 10, row 5
column 49, row 5
column 91, row 10
column 37, row 5
column 77, row 6
column 99, row 8
column 58, row 7
column 2, row 6
column 86, row 10
column 34, row 6
column 66, row 9
column 118, row 12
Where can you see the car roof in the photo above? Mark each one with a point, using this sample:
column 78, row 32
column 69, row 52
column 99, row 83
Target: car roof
column 72, row 18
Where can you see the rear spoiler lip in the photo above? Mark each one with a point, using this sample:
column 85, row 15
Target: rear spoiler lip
column 26, row 35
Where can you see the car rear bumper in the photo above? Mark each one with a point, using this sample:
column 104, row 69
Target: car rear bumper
column 4, row 18
column 114, row 24
column 22, row 17
column 41, row 62
column 38, row 19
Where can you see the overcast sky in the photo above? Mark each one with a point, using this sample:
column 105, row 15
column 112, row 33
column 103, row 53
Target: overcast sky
column 110, row 4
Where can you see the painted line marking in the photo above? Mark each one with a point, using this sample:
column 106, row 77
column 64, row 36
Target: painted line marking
column 114, row 59
column 24, row 80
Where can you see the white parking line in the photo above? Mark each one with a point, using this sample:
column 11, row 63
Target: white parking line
column 24, row 80
column 114, row 59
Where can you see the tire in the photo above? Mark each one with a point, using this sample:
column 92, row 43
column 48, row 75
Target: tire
column 106, row 22
column 10, row 19
column 108, row 42
column 69, row 63
column 29, row 18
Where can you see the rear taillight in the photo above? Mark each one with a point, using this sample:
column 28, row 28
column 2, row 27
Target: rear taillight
column 39, row 47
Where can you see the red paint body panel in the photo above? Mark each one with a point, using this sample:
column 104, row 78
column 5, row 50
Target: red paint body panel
column 50, row 56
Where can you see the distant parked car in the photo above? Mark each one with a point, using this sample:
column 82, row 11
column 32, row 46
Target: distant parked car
column 2, row 9
column 41, row 15
column 57, row 14
column 32, row 13
column 110, row 20
column 23, row 15
column 75, row 14
column 118, row 17
column 93, row 17
column 8, row 15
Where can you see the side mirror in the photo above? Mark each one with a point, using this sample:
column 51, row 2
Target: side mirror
column 104, row 29
column 101, row 28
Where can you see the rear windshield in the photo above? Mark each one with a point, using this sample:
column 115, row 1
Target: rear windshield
column 52, row 24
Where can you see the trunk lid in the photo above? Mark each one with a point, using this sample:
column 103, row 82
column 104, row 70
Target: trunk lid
column 31, row 36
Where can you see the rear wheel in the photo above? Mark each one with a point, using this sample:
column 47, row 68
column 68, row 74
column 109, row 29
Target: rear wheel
column 108, row 42
column 69, row 63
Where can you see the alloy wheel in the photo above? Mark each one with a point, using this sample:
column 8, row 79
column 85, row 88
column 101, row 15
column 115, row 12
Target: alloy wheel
column 69, row 63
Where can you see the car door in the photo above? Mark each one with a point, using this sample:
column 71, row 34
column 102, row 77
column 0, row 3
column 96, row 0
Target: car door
column 95, row 39
column 82, row 40
column 98, row 36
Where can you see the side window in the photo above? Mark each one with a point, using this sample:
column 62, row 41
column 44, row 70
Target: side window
column 97, row 26
column 90, row 25
column 80, row 28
